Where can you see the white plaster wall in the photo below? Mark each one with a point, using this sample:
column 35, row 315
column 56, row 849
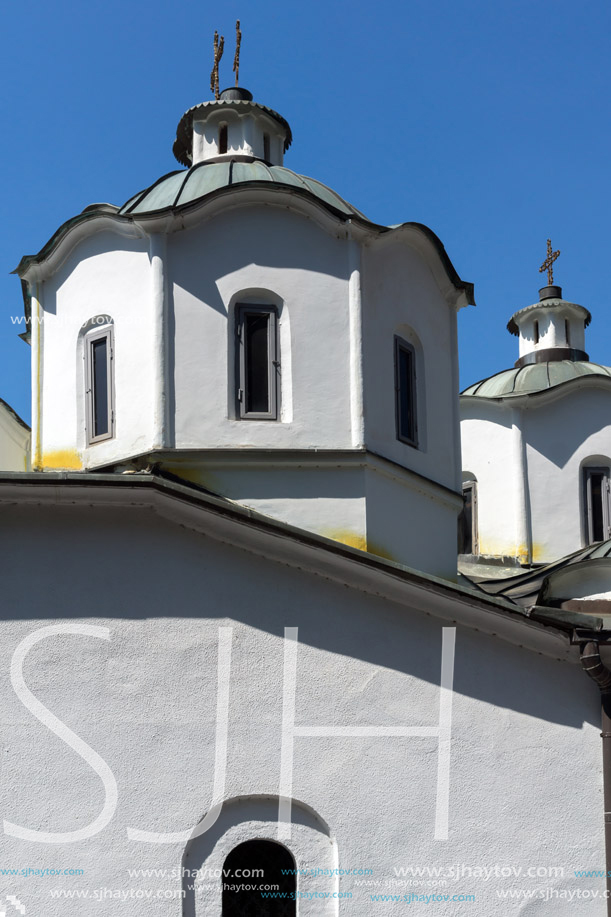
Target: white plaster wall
column 146, row 702
column 104, row 275
column 14, row 443
column 257, row 250
column 412, row 523
column 400, row 293
column 487, row 454
column 561, row 435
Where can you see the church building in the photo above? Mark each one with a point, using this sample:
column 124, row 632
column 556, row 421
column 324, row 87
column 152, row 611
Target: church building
column 235, row 636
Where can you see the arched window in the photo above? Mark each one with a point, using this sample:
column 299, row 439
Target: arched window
column 248, row 872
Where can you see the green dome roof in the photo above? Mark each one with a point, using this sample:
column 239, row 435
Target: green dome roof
column 180, row 188
column 535, row 377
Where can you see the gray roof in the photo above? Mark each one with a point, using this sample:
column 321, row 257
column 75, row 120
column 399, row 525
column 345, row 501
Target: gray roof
column 534, row 377
column 528, row 589
column 184, row 187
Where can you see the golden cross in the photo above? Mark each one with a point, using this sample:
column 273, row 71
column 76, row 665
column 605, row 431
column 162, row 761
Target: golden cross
column 218, row 53
column 238, row 42
column 548, row 264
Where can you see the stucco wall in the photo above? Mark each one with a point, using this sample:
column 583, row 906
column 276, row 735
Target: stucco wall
column 525, row 786
column 560, row 434
column 401, row 296
column 105, row 275
column 257, row 251
column 14, row 443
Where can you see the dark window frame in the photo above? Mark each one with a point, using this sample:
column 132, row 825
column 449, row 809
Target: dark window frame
column 469, row 485
column 408, row 436
column 589, row 472
column 91, row 338
column 273, row 362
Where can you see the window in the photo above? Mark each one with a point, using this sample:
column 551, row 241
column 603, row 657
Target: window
column 567, row 333
column 257, row 363
column 536, row 332
column 98, row 384
column 223, row 138
column 597, row 504
column 405, row 392
column 266, row 147
column 467, row 520
column 256, row 864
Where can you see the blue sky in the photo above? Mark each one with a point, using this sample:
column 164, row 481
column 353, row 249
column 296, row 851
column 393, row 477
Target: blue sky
column 487, row 121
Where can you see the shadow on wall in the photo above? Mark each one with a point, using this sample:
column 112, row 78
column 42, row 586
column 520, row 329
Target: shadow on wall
column 160, row 570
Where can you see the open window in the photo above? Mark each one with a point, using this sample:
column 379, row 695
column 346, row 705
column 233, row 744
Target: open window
column 597, row 504
column 405, row 392
column 257, row 362
column 98, row 354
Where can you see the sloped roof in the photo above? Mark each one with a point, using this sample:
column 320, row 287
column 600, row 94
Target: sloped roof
column 534, row 377
column 183, row 187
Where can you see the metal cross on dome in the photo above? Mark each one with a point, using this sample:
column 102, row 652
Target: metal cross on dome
column 548, row 264
column 219, row 47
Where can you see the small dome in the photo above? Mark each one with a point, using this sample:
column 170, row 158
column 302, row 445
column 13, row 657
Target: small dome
column 534, row 377
column 177, row 189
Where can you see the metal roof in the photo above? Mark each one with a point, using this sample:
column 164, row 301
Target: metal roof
column 534, row 377
column 527, row 588
column 184, row 187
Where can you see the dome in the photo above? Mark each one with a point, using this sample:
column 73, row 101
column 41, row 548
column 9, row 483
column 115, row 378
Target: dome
column 177, row 189
column 534, row 377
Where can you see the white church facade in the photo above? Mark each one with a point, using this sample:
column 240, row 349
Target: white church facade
column 234, row 630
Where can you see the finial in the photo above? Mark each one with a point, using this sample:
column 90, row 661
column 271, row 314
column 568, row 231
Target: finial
column 236, row 60
column 548, row 264
column 219, row 47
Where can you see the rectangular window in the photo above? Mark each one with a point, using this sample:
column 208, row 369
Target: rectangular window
column 257, row 363
column 98, row 360
column 405, row 392
column 597, row 504
column 467, row 521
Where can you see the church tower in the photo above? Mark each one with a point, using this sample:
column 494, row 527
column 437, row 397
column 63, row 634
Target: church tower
column 248, row 330
column 536, row 456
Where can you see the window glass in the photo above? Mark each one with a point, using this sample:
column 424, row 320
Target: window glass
column 405, row 391
column 257, row 362
column 99, row 358
column 256, row 357
column 597, row 504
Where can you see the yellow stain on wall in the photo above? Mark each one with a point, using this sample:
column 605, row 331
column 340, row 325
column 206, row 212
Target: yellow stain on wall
column 62, row 460
column 352, row 539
